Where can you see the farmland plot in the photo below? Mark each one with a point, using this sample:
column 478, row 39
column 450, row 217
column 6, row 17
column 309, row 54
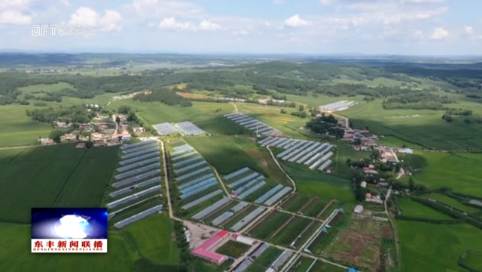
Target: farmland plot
column 262, row 263
column 295, row 203
column 269, row 224
column 314, row 208
column 289, row 233
column 233, row 249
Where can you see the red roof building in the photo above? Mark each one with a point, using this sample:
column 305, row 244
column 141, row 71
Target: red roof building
column 204, row 250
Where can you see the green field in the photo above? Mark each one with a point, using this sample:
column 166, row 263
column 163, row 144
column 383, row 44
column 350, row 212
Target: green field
column 413, row 208
column 57, row 176
column 144, row 245
column 433, row 248
column 451, row 202
column 314, row 208
column 269, row 225
column 427, row 130
column 460, row 171
column 233, row 249
column 295, row 203
column 289, row 233
column 315, row 183
column 228, row 154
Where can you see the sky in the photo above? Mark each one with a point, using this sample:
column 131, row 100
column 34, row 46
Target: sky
column 400, row 27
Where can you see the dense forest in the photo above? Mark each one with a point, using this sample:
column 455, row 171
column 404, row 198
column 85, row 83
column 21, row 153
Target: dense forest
column 417, row 101
column 164, row 95
column 74, row 114
column 325, row 124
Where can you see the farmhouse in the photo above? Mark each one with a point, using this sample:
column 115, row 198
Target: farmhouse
column 368, row 170
column 80, row 145
column 204, row 250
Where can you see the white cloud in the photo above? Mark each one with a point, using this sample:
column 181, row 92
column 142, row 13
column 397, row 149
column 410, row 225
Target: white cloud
column 209, row 26
column 171, row 24
column 413, row 16
column 11, row 12
column 469, row 30
column 6, row 5
column 241, row 32
column 88, row 17
column 296, row 21
column 439, row 34
column 423, row 1
column 65, row 2
column 14, row 18
column 278, row 2
column 166, row 8
column 326, row 2
column 418, row 34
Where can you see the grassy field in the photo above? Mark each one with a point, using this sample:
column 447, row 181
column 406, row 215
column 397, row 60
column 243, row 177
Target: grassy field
column 57, row 176
column 17, row 129
column 433, row 248
column 142, row 245
column 228, row 154
column 412, row 208
column 233, row 249
column 451, row 202
column 323, row 185
column 460, row 171
column 428, row 129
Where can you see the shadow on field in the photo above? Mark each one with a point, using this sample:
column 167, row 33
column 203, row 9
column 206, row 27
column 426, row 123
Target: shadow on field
column 455, row 136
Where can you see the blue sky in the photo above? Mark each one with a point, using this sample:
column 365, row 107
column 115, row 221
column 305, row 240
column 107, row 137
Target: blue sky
column 409, row 27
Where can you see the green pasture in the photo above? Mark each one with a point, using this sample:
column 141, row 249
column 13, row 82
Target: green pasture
column 451, row 202
column 322, row 185
column 228, row 154
column 459, row 171
column 53, row 176
column 428, row 129
column 433, row 247
column 413, row 208
column 17, row 129
column 142, row 245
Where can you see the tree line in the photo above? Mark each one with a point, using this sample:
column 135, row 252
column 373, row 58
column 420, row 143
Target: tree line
column 165, row 96
column 326, row 124
column 73, row 114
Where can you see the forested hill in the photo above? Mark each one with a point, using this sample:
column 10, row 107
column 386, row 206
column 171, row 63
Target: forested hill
column 239, row 81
